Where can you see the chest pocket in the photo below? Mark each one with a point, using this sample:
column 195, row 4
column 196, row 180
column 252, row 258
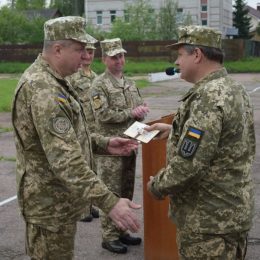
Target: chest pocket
column 117, row 99
column 133, row 97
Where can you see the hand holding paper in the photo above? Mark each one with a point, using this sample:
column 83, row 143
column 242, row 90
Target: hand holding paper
column 137, row 131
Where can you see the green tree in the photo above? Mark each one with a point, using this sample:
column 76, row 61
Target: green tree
column 68, row 7
column 15, row 28
column 65, row 6
column 78, row 7
column 21, row 4
column 36, row 4
column 140, row 24
column 35, row 27
column 12, row 23
column 167, row 20
column 241, row 20
column 96, row 32
column 27, row 4
column 187, row 19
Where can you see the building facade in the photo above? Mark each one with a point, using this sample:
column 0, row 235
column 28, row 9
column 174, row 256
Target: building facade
column 213, row 13
column 254, row 15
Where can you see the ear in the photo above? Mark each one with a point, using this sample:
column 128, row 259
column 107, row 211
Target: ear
column 57, row 49
column 198, row 55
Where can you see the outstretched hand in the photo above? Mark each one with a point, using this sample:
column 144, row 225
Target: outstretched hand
column 121, row 146
column 163, row 128
column 123, row 216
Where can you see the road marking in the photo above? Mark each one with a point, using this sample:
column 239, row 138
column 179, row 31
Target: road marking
column 254, row 90
column 8, row 200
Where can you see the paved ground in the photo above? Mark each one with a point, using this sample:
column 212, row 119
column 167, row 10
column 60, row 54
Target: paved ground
column 162, row 98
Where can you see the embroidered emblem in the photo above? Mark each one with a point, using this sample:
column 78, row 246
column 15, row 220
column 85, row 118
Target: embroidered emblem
column 97, row 103
column 190, row 142
column 61, row 125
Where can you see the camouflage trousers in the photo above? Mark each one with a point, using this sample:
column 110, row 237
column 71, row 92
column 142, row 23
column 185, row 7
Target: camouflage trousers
column 48, row 243
column 193, row 246
column 118, row 173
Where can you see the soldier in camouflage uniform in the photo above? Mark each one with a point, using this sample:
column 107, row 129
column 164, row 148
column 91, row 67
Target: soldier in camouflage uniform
column 116, row 103
column 54, row 180
column 81, row 81
column 210, row 150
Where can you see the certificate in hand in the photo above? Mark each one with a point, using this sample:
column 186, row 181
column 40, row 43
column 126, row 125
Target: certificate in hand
column 136, row 130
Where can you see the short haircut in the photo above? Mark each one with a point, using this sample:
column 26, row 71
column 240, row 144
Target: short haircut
column 47, row 44
column 213, row 54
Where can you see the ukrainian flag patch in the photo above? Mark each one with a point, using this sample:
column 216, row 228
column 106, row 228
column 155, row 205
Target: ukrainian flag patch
column 190, row 142
column 193, row 132
column 61, row 98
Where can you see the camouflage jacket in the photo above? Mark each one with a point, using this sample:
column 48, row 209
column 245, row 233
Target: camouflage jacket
column 210, row 152
column 54, row 178
column 112, row 103
column 82, row 84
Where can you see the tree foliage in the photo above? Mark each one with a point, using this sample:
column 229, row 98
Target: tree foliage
column 15, row 28
column 167, row 20
column 27, row 4
column 144, row 23
column 68, row 7
column 140, row 22
column 241, row 20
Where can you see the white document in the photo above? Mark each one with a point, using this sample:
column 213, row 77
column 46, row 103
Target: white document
column 136, row 130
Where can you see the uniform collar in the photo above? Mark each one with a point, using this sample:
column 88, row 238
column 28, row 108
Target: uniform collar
column 212, row 76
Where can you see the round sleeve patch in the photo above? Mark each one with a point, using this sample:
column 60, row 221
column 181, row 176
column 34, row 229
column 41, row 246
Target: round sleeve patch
column 61, row 125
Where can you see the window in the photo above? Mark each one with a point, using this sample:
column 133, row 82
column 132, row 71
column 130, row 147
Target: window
column 204, row 8
column 112, row 16
column 179, row 10
column 99, row 17
column 204, row 22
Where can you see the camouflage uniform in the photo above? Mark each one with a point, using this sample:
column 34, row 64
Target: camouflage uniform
column 112, row 102
column 210, row 151
column 54, row 177
column 82, row 83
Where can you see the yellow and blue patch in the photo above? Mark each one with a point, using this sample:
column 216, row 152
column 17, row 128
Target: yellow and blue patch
column 193, row 132
column 61, row 98
column 190, row 142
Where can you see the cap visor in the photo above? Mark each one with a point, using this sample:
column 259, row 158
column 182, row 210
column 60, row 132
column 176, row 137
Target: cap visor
column 174, row 46
column 115, row 52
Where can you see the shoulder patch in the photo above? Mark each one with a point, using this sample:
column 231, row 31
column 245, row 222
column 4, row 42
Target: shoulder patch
column 61, row 125
column 97, row 102
column 190, row 142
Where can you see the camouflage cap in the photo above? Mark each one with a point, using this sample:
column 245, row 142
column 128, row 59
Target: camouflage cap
column 198, row 35
column 91, row 43
column 112, row 47
column 66, row 28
